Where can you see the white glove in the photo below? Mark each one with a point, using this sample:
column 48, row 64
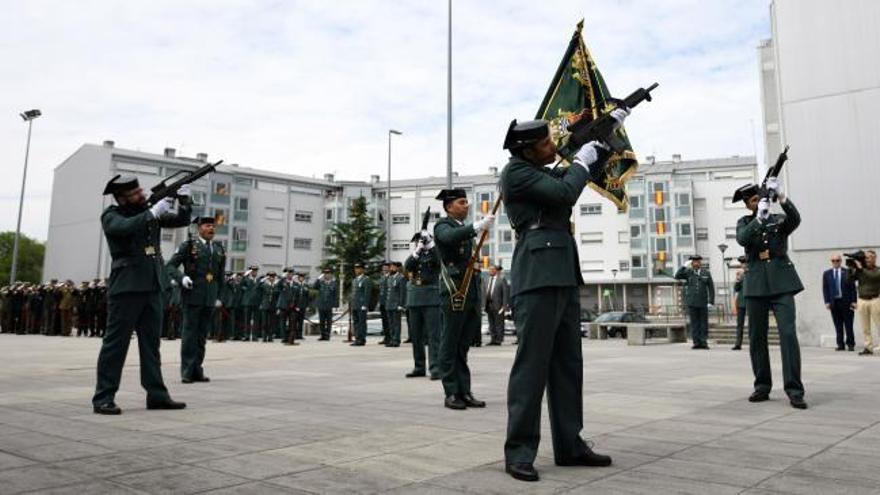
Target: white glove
column 588, row 154
column 710, row 306
column 428, row 240
column 277, row 312
column 162, row 207
column 619, row 114
column 186, row 282
column 173, row 283
column 774, row 185
column 363, row 308
column 763, row 209
column 218, row 304
column 184, row 191
column 485, row 224
column 417, row 251
column 401, row 308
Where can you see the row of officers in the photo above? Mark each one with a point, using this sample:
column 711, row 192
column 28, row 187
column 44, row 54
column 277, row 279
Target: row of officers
column 54, row 308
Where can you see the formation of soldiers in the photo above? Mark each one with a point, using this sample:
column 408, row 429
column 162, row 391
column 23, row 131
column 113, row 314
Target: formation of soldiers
column 54, row 308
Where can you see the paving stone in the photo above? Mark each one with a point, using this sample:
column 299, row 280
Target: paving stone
column 338, row 480
column 638, row 482
column 259, row 465
column 178, row 480
column 38, row 477
column 13, row 461
column 706, row 472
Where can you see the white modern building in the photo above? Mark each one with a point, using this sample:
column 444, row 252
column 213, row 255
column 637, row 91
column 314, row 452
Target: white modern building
column 820, row 83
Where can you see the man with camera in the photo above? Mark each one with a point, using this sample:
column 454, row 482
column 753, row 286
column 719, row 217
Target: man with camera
column 865, row 272
column 839, row 292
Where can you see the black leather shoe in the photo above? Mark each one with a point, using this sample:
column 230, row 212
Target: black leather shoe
column 758, row 396
column 736, row 348
column 356, row 344
column 109, row 408
column 841, row 348
column 470, row 401
column 187, row 380
column 203, row 379
column 695, row 346
column 453, row 402
column 522, row 471
column 435, row 376
column 797, row 403
column 588, row 458
column 415, row 374
column 850, row 348
column 407, row 341
column 165, row 404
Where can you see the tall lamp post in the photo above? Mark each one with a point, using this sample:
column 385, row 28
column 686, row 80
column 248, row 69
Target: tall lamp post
column 449, row 101
column 388, row 200
column 614, row 299
column 28, row 117
column 723, row 247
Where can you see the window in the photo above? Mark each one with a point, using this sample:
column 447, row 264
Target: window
column 658, row 186
column 237, row 264
column 138, row 168
column 198, row 198
column 591, row 209
column 684, row 229
column 399, row 245
column 660, row 244
column 271, row 186
column 635, row 231
column 302, row 216
column 624, row 265
column 167, row 236
column 485, row 202
column 241, row 204
column 274, row 213
column 592, row 266
column 435, row 215
column 682, row 199
column 506, row 235
column 623, row 237
column 400, row 218
column 702, row 234
column 239, row 234
column 220, row 188
column 635, row 202
column 659, row 214
column 221, row 216
column 271, row 241
column 638, row 261
column 329, row 214
column 302, row 243
column 243, row 182
column 591, row 237
column 730, row 232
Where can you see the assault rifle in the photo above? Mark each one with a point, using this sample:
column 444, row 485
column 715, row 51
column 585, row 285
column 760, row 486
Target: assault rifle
column 426, row 217
column 773, row 172
column 163, row 190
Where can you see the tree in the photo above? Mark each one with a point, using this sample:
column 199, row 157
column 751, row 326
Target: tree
column 357, row 241
column 30, row 258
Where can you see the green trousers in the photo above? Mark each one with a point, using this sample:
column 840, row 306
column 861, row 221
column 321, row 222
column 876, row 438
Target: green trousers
column 424, row 329
column 783, row 307
column 198, row 322
column 549, row 355
column 359, row 322
column 140, row 312
column 455, row 341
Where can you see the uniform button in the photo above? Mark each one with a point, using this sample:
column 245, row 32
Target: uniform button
column 548, row 243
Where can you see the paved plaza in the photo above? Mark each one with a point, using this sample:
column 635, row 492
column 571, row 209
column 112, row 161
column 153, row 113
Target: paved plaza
column 329, row 418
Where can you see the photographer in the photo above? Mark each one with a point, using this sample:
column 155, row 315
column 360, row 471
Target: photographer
column 865, row 272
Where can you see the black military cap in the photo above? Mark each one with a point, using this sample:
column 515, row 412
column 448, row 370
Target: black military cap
column 120, row 184
column 520, row 135
column 271, row 274
column 741, row 259
column 325, row 270
column 253, row 267
column 287, row 270
column 386, row 263
column 203, row 220
column 695, row 257
column 301, row 274
column 449, row 195
column 358, row 265
column 745, row 192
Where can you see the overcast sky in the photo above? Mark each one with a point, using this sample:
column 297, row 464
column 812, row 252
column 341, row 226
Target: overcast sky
column 312, row 86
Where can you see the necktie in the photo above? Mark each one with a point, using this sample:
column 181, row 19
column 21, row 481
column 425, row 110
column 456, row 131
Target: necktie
column 491, row 286
column 837, row 282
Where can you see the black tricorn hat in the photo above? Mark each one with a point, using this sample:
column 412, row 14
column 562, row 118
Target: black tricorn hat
column 695, row 257
column 526, row 133
column 741, row 259
column 447, row 195
column 203, row 220
column 745, row 192
column 121, row 183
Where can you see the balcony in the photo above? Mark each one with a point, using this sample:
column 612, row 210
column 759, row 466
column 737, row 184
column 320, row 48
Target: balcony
column 240, row 216
column 683, row 211
column 683, row 242
column 220, row 199
column 639, row 273
column 221, row 229
column 239, row 245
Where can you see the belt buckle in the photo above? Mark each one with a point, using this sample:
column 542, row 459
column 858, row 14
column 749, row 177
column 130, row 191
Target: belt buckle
column 764, row 255
column 209, row 277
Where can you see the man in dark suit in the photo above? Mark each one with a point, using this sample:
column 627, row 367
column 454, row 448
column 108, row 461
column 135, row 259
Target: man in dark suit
column 840, row 298
column 135, row 296
column 496, row 303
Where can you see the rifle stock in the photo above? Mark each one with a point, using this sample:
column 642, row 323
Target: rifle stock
column 460, row 296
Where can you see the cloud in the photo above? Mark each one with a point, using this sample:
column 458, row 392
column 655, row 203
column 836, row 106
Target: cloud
column 308, row 86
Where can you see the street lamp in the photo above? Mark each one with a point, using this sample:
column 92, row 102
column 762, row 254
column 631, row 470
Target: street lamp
column 614, row 299
column 28, row 117
column 388, row 199
column 723, row 247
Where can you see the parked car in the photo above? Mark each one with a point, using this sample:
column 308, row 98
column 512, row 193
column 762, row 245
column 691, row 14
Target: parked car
column 587, row 315
column 619, row 316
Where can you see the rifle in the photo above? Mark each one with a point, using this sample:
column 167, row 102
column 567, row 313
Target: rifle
column 773, row 172
column 602, row 128
column 426, row 217
column 163, row 190
column 460, row 296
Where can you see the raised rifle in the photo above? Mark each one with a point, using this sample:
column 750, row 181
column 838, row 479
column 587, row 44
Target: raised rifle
column 773, row 172
column 460, row 296
column 163, row 190
column 426, row 217
column 602, row 128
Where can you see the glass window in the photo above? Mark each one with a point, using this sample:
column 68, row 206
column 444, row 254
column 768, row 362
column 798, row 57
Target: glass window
column 198, row 198
column 623, row 237
column 684, row 229
column 243, row 181
column 506, row 235
column 730, row 232
column 241, row 204
column 139, row 168
column 271, row 186
column 660, row 244
column 682, row 199
column 221, row 216
column 636, row 201
column 635, row 231
column 302, row 216
column 329, row 214
column 237, row 264
column 624, row 265
column 221, row 188
column 592, row 266
column 702, row 234
column 591, row 209
column 400, row 245
column 400, row 218
column 302, row 243
column 659, row 214
column 272, row 241
column 591, row 237
column 274, row 213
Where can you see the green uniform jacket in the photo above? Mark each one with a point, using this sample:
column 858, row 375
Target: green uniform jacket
column 455, row 245
column 424, row 289
column 250, row 292
column 133, row 239
column 207, row 269
column 328, row 294
column 231, row 296
column 269, row 293
column 538, row 201
column 285, row 295
column 300, row 295
column 396, row 292
column 361, row 292
column 775, row 275
column 699, row 291
column 383, row 289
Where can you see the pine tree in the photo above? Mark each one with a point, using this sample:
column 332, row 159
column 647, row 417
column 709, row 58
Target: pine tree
column 357, row 241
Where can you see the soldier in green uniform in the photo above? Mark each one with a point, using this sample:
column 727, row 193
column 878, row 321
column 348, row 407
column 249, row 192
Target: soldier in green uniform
column 423, row 301
column 699, row 296
column 328, row 298
column 454, row 241
column 137, row 283
column 361, row 295
column 230, row 299
column 300, row 302
column 286, row 313
column 770, row 283
column 545, row 280
column 204, row 265
column 383, row 294
column 395, row 303
column 172, row 311
column 269, row 290
column 250, row 303
column 740, row 304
